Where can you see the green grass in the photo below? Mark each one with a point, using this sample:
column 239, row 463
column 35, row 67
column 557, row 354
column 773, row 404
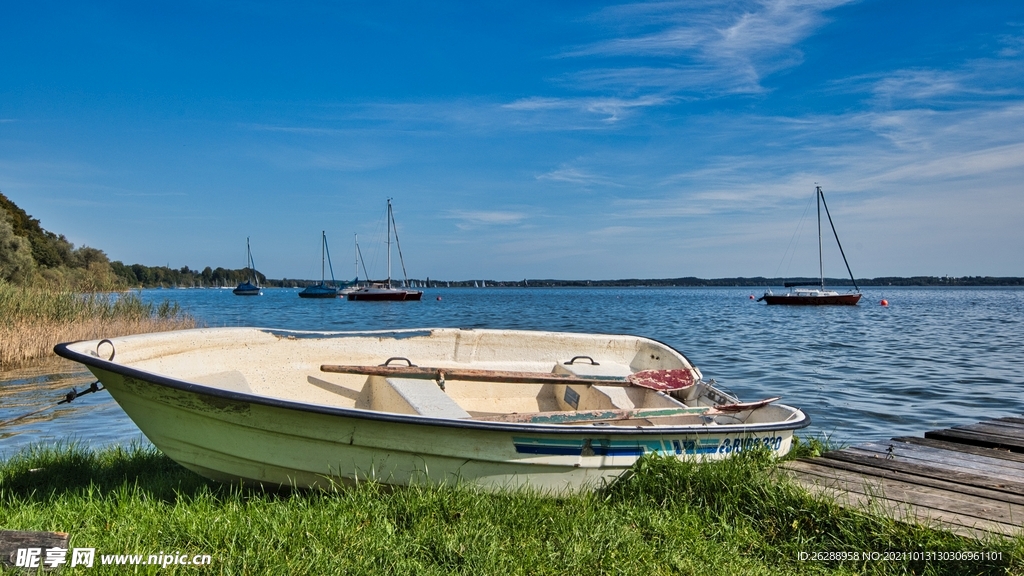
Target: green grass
column 667, row 517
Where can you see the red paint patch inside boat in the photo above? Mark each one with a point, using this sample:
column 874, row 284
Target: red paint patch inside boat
column 663, row 380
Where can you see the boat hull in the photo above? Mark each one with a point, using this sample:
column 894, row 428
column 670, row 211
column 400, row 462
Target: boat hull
column 318, row 292
column 385, row 295
column 261, row 439
column 247, row 289
column 816, row 300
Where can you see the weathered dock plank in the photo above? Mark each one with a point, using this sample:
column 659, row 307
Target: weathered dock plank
column 871, row 471
column 977, row 439
column 891, row 501
column 938, row 472
column 1001, row 454
column 967, row 479
column 967, row 463
column 931, row 497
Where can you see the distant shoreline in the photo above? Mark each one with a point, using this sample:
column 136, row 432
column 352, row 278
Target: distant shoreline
column 752, row 282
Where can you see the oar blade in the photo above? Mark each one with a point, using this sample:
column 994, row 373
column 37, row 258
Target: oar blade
column 663, row 380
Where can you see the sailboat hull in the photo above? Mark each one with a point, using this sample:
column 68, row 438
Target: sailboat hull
column 385, row 295
column 319, row 291
column 247, row 289
column 812, row 300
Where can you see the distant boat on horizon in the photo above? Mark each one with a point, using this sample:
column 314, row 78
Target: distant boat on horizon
column 804, row 296
column 250, row 287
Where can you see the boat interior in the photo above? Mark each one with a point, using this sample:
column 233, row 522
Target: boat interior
column 287, row 365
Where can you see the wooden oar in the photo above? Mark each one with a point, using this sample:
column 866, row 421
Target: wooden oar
column 664, row 380
column 741, row 406
column 585, row 416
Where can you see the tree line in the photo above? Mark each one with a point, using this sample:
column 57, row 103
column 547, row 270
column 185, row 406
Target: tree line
column 31, row 255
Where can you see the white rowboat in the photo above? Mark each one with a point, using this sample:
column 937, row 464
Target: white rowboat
column 277, row 407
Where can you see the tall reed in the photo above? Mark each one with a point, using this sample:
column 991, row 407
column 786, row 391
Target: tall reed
column 33, row 320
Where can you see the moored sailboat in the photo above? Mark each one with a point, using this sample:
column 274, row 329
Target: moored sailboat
column 384, row 291
column 322, row 290
column 804, row 295
column 250, row 287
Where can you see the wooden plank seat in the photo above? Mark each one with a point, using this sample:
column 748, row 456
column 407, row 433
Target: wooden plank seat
column 412, row 396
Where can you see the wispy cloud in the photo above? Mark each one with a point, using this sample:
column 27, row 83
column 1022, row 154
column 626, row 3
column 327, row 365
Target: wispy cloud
column 302, row 130
column 609, row 110
column 572, row 175
column 717, row 48
column 469, row 219
column 1012, row 46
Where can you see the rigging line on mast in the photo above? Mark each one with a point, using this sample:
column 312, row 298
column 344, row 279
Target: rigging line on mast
column 405, row 277
column 328, row 249
column 363, row 262
column 854, row 280
column 795, row 238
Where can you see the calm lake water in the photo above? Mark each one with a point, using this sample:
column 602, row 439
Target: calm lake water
column 933, row 358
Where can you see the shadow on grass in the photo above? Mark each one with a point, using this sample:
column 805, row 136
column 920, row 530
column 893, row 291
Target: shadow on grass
column 44, row 474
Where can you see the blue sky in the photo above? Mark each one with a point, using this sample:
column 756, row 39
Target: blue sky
column 523, row 139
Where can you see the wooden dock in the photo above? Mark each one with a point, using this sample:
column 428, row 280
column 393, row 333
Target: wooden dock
column 966, row 479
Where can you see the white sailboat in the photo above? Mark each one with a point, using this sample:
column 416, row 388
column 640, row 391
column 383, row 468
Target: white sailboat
column 384, row 291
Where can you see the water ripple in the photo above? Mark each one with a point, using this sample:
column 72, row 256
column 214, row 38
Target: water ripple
column 933, row 358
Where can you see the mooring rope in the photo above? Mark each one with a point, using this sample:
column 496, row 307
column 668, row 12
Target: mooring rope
column 68, row 398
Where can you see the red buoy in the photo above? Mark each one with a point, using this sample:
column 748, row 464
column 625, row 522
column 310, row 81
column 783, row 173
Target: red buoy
column 751, row 296
column 884, row 302
column 438, row 298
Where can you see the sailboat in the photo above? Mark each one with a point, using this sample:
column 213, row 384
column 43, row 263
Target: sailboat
column 805, row 296
column 250, row 287
column 354, row 285
column 322, row 290
column 377, row 291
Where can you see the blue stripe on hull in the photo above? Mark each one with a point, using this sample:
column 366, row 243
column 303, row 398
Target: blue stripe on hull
column 606, row 447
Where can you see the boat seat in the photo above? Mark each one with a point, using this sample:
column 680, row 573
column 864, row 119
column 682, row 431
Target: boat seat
column 413, row 396
column 587, row 397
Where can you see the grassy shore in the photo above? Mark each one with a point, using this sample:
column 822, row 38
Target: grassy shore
column 33, row 320
column 669, row 517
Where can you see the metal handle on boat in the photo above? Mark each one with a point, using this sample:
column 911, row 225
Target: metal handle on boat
column 398, row 359
column 100, row 343
column 575, row 358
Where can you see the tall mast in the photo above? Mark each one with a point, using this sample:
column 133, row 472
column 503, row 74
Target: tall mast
column 821, row 265
column 250, row 263
column 323, row 240
column 389, row 242
column 355, row 252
